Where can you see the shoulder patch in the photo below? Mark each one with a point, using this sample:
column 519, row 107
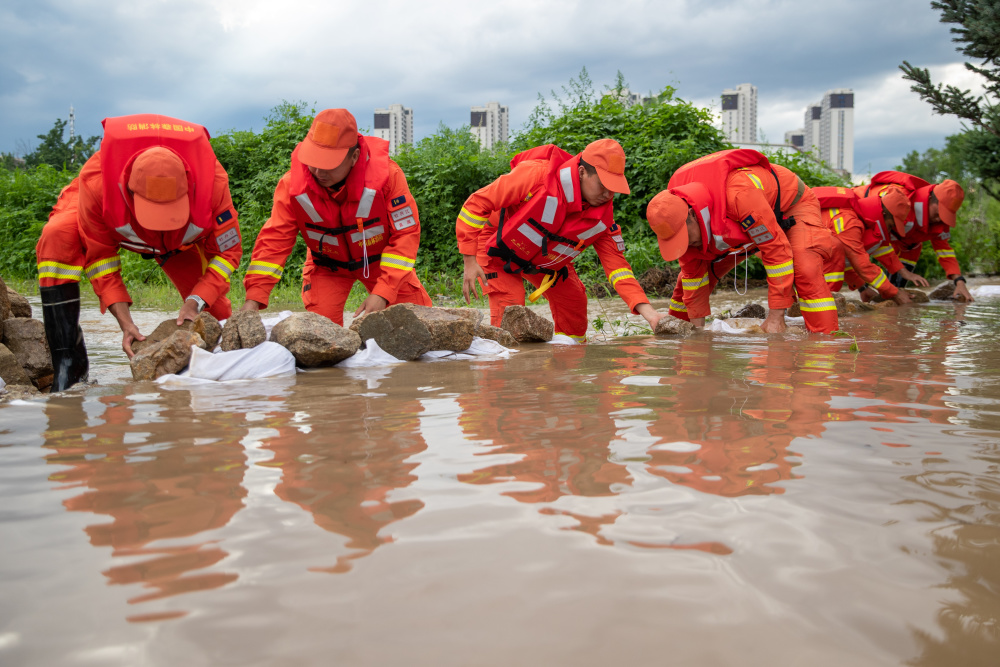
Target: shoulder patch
column 398, row 201
column 225, row 217
column 747, row 222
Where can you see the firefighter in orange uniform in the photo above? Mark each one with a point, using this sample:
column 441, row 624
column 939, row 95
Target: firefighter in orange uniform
column 933, row 216
column 863, row 227
column 732, row 202
column 155, row 188
column 532, row 222
column 353, row 208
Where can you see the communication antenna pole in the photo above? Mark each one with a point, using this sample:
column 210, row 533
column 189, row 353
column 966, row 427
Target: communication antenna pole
column 72, row 118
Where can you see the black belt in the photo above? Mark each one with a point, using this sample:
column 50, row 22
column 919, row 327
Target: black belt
column 334, row 264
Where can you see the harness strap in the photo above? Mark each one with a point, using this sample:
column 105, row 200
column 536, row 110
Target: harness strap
column 334, row 264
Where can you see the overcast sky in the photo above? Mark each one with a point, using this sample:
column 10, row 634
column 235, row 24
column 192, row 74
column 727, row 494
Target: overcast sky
column 225, row 63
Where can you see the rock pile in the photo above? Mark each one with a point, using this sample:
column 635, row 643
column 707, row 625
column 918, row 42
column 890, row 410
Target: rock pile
column 25, row 360
column 205, row 325
column 406, row 331
column 168, row 355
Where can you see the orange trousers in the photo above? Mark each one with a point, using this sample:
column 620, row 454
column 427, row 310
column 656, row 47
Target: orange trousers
column 325, row 291
column 567, row 298
column 61, row 242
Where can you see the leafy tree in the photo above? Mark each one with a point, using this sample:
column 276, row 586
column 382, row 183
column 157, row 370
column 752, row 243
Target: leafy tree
column 60, row 153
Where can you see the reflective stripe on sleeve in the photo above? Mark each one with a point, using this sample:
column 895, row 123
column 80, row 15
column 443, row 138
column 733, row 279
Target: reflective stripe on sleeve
column 471, row 220
column 692, row 284
column 103, row 267
column 756, row 181
column 59, row 271
column 944, row 253
column 265, row 269
column 222, row 267
column 397, row 262
column 909, row 263
column 621, row 274
column 833, row 277
column 838, row 224
column 879, row 280
column 816, row 305
column 773, row 271
column 882, row 251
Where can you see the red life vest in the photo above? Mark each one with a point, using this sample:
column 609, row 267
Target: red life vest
column 919, row 192
column 127, row 136
column 342, row 235
column 869, row 209
column 702, row 184
column 550, row 228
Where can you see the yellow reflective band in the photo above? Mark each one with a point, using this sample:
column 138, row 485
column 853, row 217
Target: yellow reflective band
column 578, row 339
column 833, row 277
column 678, row 306
column 397, row 261
column 103, row 267
column 692, row 284
column 944, row 253
column 882, row 251
column 59, row 271
column 756, row 181
column 779, row 269
column 222, row 267
column 909, row 263
column 620, row 274
column 265, row 269
column 471, row 220
column 838, row 225
column 880, row 280
column 816, row 305
column 834, row 212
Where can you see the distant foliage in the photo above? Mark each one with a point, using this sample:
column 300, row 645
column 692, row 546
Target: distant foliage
column 26, row 199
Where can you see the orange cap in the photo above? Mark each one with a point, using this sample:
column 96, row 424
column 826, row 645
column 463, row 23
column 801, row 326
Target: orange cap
column 950, row 196
column 898, row 205
column 333, row 133
column 159, row 184
column 667, row 216
column 608, row 158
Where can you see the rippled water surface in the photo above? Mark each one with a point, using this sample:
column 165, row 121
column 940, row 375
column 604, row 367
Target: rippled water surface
column 716, row 500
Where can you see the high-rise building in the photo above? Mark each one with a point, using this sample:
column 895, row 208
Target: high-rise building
column 836, row 130
column 395, row 125
column 796, row 138
column 488, row 124
column 739, row 113
column 813, row 117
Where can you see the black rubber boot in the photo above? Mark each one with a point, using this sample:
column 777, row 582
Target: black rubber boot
column 61, row 313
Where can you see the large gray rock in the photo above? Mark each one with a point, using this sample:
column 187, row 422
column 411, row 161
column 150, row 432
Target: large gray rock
column 25, row 337
column 4, row 302
column 407, row 331
column 944, row 291
column 243, row 330
column 501, row 336
column 314, row 340
column 753, row 310
column 889, row 303
column 169, row 355
column 205, row 325
column 472, row 314
column 918, row 296
column 673, row 326
column 10, row 368
column 526, row 325
column 19, row 306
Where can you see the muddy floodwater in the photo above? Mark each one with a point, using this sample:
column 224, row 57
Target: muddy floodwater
column 714, row 500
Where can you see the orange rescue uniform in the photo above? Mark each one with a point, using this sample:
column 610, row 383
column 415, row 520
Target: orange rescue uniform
column 80, row 239
column 476, row 229
column 358, row 233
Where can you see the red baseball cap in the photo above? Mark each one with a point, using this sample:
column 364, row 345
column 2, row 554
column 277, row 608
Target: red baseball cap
column 159, row 184
column 950, row 196
column 608, row 158
column 333, row 133
column 667, row 216
column 898, row 205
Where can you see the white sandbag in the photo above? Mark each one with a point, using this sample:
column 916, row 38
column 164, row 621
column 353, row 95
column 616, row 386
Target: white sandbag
column 562, row 339
column 480, row 347
column 2, row 384
column 266, row 360
column 794, row 321
column 985, row 292
column 369, row 356
column 269, row 322
column 723, row 326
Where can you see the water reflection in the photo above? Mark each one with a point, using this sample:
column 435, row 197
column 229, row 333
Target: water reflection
column 157, row 485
